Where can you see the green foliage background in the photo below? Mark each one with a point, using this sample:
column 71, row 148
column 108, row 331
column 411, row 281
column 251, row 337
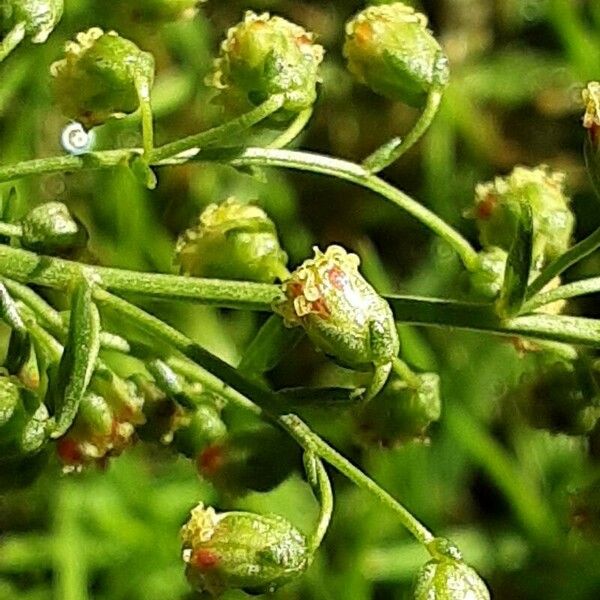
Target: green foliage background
column 504, row 491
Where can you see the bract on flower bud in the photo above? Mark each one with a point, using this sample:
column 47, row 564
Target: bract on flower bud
column 263, row 56
column 401, row 413
column 390, row 49
column 154, row 11
column 485, row 281
column 50, row 228
column 241, row 550
column 497, row 210
column 449, row 580
column 257, row 459
column 100, row 77
column 340, row 312
column 23, row 420
column 39, row 17
column 232, row 241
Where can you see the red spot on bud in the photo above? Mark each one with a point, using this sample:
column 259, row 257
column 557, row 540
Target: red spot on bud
column 294, row 290
column 336, row 278
column 319, row 307
column 486, row 207
column 205, row 559
column 210, row 460
column 68, row 451
column 363, row 33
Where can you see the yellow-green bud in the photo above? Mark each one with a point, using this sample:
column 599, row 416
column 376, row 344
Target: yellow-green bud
column 39, row 17
column 232, row 241
column 241, row 550
column 401, row 413
column 340, row 312
column 263, row 56
column 497, row 210
column 390, row 49
column 154, row 11
column 100, row 77
column 449, row 580
column 50, row 228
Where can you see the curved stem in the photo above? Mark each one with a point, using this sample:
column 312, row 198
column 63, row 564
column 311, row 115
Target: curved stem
column 405, row 373
column 294, row 130
column 10, row 230
column 348, row 171
column 226, row 132
column 218, row 376
column 562, row 263
column 395, row 148
column 12, row 39
column 319, row 481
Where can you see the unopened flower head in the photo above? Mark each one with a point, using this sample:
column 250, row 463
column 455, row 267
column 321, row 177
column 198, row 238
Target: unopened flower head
column 341, row 313
column 241, row 550
column 38, row 17
column 390, row 49
column 101, row 77
column 449, row 580
column 498, row 205
column 263, row 56
column 232, row 241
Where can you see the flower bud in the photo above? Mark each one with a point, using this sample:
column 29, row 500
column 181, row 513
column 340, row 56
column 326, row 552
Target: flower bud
column 485, row 281
column 100, row 77
column 23, row 420
column 449, row 580
column 257, row 459
column 591, row 100
column 232, row 241
column 497, row 210
column 340, row 312
column 562, row 398
column 241, row 550
column 50, row 228
column 39, row 17
column 390, row 49
column 263, row 56
column 156, row 11
column 401, row 413
column 199, row 429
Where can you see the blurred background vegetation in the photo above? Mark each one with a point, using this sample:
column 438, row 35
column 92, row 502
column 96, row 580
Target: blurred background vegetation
column 520, row 501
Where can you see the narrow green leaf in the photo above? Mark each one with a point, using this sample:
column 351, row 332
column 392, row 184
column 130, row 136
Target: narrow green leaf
column 78, row 359
column 518, row 265
column 169, row 382
column 19, row 347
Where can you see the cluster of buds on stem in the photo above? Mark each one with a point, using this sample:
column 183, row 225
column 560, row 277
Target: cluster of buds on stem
column 232, row 241
column 38, row 18
column 390, row 49
column 241, row 550
column 264, row 56
column 101, row 76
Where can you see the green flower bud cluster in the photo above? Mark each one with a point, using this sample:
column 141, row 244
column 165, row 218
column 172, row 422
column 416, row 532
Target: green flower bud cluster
column 390, row 49
column 51, row 229
column 232, row 241
column 24, row 431
column 100, row 77
column 341, row 313
column 263, row 56
column 449, row 580
column 563, row 398
column 256, row 459
column 241, row 550
column 156, row 11
column 105, row 423
column 401, row 412
column 498, row 208
column 38, row 17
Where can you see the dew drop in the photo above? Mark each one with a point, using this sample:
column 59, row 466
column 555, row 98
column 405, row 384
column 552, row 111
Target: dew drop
column 76, row 140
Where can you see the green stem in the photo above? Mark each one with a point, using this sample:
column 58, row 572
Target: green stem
column 10, row 230
column 233, row 386
column 395, row 148
column 348, row 171
column 294, row 130
column 405, row 373
column 226, row 132
column 28, row 267
column 562, row 263
column 143, row 90
column 564, row 292
column 12, row 40
column 319, row 480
